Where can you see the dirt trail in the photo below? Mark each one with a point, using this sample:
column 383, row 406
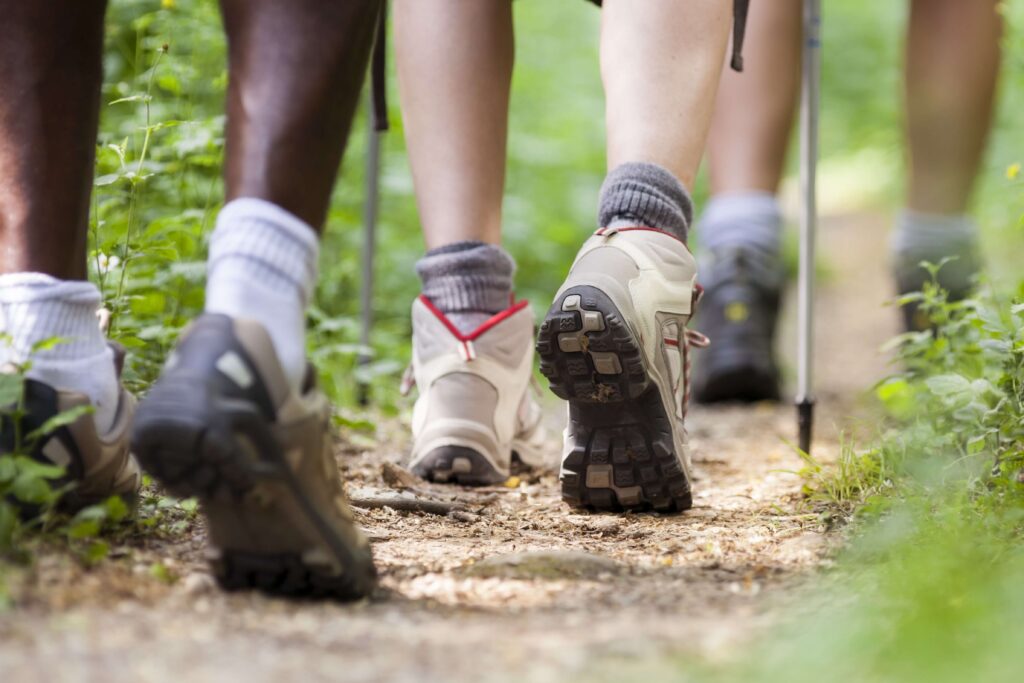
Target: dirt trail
column 460, row 601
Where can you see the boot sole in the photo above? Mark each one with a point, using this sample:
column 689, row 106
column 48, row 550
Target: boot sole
column 195, row 450
column 457, row 465
column 622, row 455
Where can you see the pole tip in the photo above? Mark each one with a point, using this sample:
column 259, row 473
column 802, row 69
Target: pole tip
column 805, row 423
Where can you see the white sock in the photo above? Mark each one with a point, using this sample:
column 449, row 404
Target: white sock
column 37, row 307
column 263, row 266
column 742, row 219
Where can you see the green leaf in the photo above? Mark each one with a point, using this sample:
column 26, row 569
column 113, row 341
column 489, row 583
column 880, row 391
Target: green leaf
column 32, row 489
column 8, row 524
column 48, row 344
column 10, row 388
column 85, row 528
column 8, row 470
column 60, row 420
column 160, row 572
column 96, row 552
column 36, row 469
column 132, row 98
column 108, row 179
column 116, row 509
column 948, row 385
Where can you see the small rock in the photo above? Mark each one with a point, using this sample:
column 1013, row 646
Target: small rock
column 463, row 516
column 197, row 583
column 398, row 477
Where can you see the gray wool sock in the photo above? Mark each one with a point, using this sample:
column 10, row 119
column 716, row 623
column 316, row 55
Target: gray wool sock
column 467, row 281
column 749, row 220
column 645, row 194
column 933, row 237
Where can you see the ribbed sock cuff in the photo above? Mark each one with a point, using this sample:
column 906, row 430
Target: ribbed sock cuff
column 467, row 277
column 645, row 194
column 934, row 237
column 932, row 234
column 266, row 243
column 38, row 307
column 742, row 220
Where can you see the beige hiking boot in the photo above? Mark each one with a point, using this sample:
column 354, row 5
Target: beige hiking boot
column 98, row 465
column 223, row 424
column 615, row 346
column 475, row 414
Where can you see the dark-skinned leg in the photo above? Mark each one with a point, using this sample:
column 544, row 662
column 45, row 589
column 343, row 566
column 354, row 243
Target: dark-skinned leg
column 233, row 420
column 295, row 75
column 50, row 76
column 296, row 70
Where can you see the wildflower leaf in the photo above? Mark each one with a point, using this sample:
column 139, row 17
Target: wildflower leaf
column 60, row 420
column 10, row 388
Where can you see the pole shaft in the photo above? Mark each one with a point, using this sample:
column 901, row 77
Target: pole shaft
column 809, row 109
column 809, row 103
column 370, row 210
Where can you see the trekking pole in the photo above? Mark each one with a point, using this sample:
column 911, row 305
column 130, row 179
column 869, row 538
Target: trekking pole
column 370, row 205
column 377, row 124
column 809, row 100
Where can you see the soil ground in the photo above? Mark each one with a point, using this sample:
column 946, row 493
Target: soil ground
column 513, row 586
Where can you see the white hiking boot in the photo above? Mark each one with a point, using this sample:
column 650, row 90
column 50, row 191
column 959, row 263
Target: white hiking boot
column 475, row 411
column 616, row 347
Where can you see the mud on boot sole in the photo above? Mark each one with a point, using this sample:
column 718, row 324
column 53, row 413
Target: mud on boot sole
column 623, row 457
column 457, row 465
column 221, row 457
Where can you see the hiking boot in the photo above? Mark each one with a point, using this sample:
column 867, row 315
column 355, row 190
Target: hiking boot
column 616, row 347
column 223, row 424
column 742, row 290
column 475, row 417
column 97, row 466
column 956, row 277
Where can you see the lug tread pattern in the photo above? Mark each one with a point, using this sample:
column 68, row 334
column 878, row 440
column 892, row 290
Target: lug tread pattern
column 621, row 454
column 193, row 451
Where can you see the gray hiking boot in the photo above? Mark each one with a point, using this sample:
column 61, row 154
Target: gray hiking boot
column 97, row 465
column 223, row 424
column 739, row 310
column 475, row 416
column 615, row 346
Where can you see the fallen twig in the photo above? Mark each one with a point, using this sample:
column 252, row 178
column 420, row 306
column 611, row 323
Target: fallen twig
column 432, row 507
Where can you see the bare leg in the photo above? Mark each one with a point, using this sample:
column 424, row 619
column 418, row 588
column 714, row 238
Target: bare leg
column 755, row 109
column 613, row 341
column 296, row 68
column 50, row 76
column 949, row 98
column 455, row 68
column 660, row 62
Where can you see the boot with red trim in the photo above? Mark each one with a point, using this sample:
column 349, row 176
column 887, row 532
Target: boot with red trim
column 615, row 346
column 475, row 416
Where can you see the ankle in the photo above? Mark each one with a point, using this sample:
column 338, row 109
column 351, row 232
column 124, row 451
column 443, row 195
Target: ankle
column 467, row 281
column 645, row 194
column 37, row 308
column 742, row 220
column 262, row 267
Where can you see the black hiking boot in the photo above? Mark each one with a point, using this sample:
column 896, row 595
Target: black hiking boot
column 739, row 311
column 223, row 424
